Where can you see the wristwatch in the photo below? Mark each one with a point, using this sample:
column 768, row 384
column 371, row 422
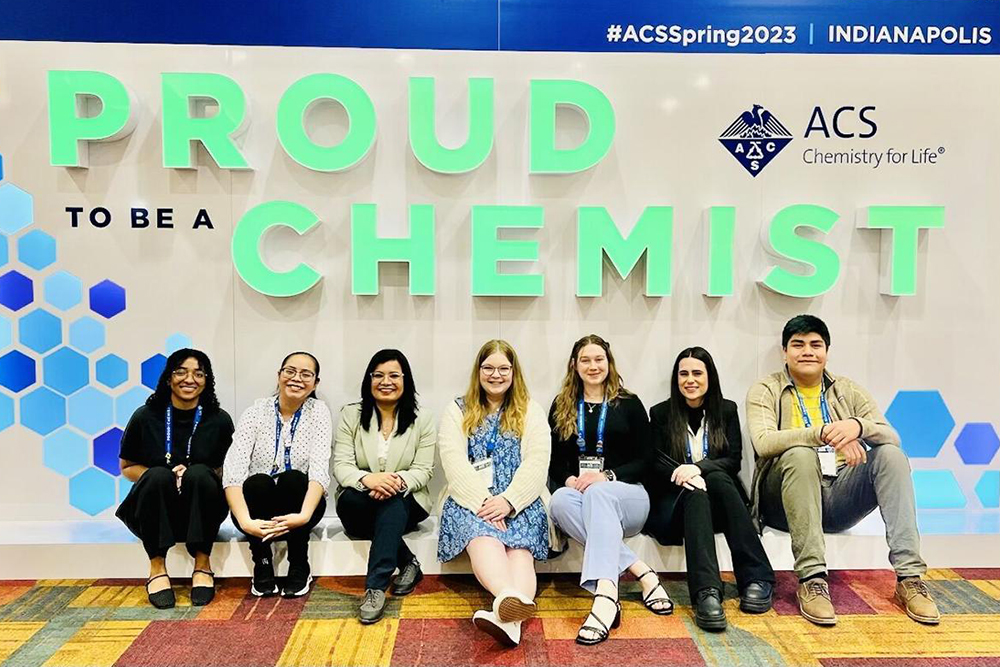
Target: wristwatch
column 610, row 474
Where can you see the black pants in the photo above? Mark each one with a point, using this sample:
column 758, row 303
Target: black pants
column 268, row 497
column 384, row 522
column 696, row 517
column 160, row 516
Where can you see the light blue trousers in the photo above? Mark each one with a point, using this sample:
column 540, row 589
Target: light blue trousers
column 599, row 519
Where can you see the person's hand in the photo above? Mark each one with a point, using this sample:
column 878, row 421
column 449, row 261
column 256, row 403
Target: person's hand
column 386, row 483
column 258, row 528
column 841, row 432
column 500, row 524
column 285, row 523
column 696, row 483
column 179, row 471
column 588, row 478
column 683, row 473
column 571, row 481
column 494, row 509
column 854, row 452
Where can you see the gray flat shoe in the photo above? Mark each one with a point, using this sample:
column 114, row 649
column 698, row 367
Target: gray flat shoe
column 408, row 578
column 372, row 606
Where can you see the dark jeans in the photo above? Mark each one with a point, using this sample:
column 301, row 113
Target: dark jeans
column 160, row 516
column 697, row 516
column 384, row 522
column 268, row 497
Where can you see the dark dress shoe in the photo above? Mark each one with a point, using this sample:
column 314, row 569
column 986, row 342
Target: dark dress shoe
column 160, row 599
column 708, row 611
column 202, row 595
column 756, row 597
column 408, row 578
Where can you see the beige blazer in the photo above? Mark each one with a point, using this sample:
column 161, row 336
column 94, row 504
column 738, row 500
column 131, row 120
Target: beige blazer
column 411, row 455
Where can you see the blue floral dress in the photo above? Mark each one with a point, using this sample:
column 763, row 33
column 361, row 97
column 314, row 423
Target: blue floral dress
column 528, row 530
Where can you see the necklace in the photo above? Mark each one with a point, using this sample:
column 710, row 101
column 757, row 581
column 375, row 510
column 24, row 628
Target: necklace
column 590, row 408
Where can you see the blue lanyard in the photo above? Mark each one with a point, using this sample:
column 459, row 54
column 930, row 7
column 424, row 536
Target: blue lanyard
column 823, row 407
column 704, row 443
column 581, row 441
column 170, row 432
column 491, row 444
column 277, row 437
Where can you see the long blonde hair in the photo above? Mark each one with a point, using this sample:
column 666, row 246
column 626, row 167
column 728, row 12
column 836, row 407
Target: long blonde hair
column 515, row 402
column 572, row 386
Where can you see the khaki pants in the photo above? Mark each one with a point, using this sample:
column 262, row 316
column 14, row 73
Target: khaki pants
column 795, row 497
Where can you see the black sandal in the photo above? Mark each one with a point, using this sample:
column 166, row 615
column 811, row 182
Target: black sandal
column 202, row 595
column 649, row 601
column 603, row 631
column 161, row 599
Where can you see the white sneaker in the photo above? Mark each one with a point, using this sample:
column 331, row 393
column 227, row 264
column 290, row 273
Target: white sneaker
column 508, row 634
column 510, row 605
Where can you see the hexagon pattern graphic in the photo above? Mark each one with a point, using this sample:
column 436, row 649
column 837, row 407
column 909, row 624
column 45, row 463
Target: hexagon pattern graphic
column 922, row 420
column 3, row 250
column 977, row 443
column 91, row 410
column 6, row 332
column 66, row 371
column 124, row 486
column 16, row 290
column 40, row 331
column 128, row 403
column 36, row 249
column 66, row 452
column 6, row 411
column 16, row 209
column 63, row 290
column 17, row 371
column 86, row 334
column 177, row 341
column 106, row 448
column 92, row 491
column 152, row 368
column 107, row 299
column 988, row 488
column 43, row 411
column 111, row 370
column 937, row 489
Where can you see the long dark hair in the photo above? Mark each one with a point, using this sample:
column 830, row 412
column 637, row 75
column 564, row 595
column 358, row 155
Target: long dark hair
column 284, row 361
column 712, row 404
column 160, row 398
column 406, row 407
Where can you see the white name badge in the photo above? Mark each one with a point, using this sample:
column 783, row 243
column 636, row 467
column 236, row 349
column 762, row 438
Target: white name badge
column 591, row 464
column 484, row 468
column 827, row 461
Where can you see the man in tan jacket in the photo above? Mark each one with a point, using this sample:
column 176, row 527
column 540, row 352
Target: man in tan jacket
column 827, row 457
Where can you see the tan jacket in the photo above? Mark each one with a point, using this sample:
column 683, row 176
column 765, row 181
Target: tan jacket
column 411, row 455
column 770, row 408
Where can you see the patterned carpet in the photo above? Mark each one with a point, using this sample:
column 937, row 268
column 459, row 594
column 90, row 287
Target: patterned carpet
column 109, row 622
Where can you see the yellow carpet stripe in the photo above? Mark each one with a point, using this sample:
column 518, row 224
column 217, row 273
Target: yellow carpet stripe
column 13, row 634
column 112, row 596
column 340, row 642
column 97, row 644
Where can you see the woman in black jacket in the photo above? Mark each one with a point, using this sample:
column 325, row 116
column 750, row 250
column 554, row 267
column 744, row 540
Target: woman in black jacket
column 695, row 490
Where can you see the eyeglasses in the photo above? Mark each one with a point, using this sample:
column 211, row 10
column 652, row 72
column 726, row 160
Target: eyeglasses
column 378, row 376
column 181, row 373
column 290, row 372
column 488, row 371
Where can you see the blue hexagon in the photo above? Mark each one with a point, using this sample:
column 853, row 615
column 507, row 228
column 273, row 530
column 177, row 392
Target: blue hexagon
column 91, row 410
column 988, row 488
column 106, row 448
column 43, row 411
column 36, row 249
column 152, row 368
column 177, row 341
column 3, row 250
column 6, row 411
column 6, row 332
column 16, row 208
column 40, row 330
column 63, row 290
column 86, row 334
column 65, row 451
column 922, row 420
column 66, row 370
column 937, row 489
column 128, row 403
column 1, row 167
column 111, row 370
column 16, row 290
column 92, row 491
column 124, row 486
column 17, row 371
column 977, row 443
column 107, row 299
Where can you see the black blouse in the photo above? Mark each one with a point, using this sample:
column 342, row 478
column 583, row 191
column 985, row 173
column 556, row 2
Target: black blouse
column 626, row 442
column 144, row 441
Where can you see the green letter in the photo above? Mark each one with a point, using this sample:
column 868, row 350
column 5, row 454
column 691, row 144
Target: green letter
column 70, row 129
column 546, row 95
column 367, row 249
column 721, row 228
column 598, row 236
column 180, row 128
column 487, row 250
column 898, row 266
column 785, row 243
column 294, row 106
column 246, row 248
column 423, row 137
